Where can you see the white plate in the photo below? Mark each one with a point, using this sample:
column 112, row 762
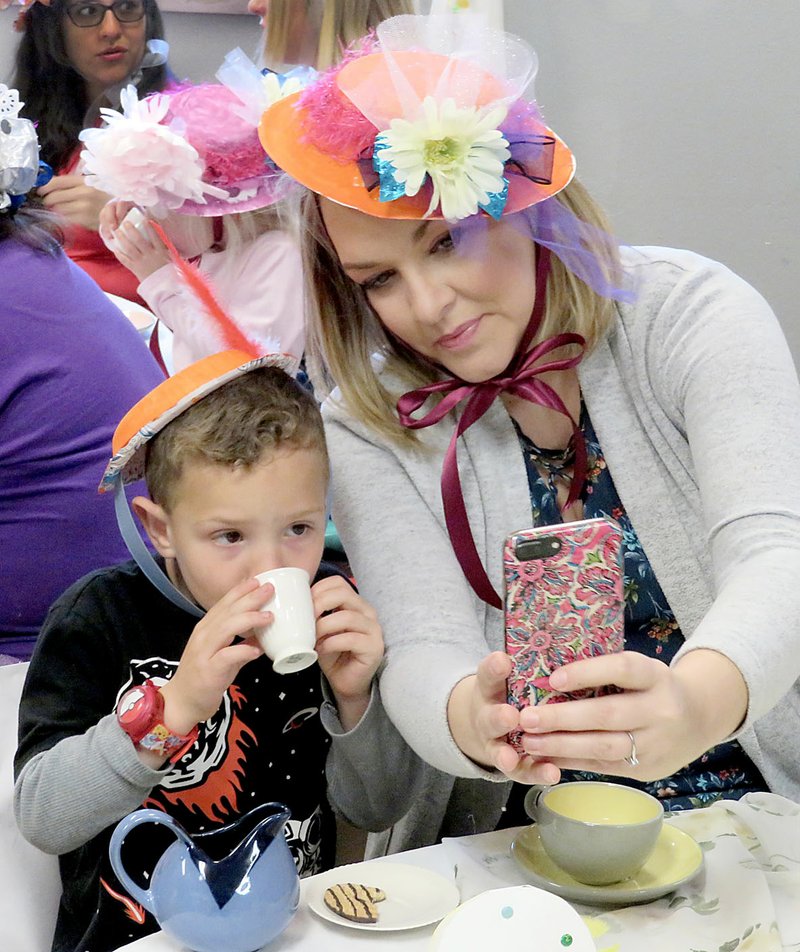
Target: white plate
column 414, row 896
column 139, row 316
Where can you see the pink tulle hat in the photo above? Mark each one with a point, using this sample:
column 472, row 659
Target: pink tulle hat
column 194, row 150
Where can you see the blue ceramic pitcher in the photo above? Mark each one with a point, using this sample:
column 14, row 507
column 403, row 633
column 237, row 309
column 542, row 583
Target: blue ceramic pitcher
column 237, row 903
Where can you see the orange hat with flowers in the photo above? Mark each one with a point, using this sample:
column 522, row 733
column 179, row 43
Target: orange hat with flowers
column 425, row 119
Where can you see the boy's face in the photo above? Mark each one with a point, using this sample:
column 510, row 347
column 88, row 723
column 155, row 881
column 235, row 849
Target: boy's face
column 229, row 524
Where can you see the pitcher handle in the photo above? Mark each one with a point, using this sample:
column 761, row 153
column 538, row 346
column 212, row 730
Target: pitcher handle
column 143, row 896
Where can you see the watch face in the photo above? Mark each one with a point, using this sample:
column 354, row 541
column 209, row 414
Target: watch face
column 136, row 709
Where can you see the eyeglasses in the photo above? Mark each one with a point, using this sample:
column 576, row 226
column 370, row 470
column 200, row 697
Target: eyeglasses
column 93, row 14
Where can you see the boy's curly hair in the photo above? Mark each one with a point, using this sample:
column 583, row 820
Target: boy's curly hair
column 254, row 415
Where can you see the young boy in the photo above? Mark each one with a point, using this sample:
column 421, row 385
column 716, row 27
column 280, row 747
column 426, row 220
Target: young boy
column 237, row 486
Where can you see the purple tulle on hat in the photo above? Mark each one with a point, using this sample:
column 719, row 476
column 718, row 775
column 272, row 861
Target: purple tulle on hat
column 578, row 244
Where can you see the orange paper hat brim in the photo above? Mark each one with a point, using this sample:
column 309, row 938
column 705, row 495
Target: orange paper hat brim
column 284, row 137
column 169, row 399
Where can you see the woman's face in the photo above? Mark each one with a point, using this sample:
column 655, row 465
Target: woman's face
column 106, row 54
column 465, row 311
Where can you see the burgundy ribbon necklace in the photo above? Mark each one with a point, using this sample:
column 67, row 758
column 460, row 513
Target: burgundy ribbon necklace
column 520, row 378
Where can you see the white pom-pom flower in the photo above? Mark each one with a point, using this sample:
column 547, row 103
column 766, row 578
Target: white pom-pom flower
column 460, row 148
column 136, row 158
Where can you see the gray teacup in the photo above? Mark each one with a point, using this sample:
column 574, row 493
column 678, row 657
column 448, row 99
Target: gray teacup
column 599, row 833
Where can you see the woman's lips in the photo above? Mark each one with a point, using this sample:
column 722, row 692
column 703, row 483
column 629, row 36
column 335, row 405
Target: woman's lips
column 461, row 336
column 114, row 54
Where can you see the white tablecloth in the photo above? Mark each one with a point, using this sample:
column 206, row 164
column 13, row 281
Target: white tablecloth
column 748, row 899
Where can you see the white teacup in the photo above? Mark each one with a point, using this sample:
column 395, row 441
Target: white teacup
column 289, row 641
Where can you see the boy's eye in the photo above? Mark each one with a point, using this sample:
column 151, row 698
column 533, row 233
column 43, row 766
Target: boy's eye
column 300, row 528
column 229, row 537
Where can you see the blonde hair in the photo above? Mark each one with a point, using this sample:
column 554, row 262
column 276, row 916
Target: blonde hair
column 344, row 333
column 241, row 423
column 242, row 228
column 341, row 23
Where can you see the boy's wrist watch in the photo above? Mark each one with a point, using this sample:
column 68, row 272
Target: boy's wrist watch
column 140, row 713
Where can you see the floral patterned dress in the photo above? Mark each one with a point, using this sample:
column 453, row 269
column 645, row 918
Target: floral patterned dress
column 725, row 771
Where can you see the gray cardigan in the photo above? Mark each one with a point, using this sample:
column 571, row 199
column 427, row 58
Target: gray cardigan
column 696, row 404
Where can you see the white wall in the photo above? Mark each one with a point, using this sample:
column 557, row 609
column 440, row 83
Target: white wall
column 682, row 114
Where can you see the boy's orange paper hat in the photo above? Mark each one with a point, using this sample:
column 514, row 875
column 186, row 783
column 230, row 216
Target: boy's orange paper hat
column 169, row 399
column 332, row 136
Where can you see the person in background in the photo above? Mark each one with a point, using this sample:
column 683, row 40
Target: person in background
column 316, row 32
column 192, row 160
column 72, row 59
column 71, row 365
column 501, row 362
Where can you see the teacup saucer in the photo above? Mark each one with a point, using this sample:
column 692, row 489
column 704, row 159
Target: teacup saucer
column 675, row 860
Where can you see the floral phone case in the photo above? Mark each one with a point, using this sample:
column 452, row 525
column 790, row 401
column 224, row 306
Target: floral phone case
column 563, row 602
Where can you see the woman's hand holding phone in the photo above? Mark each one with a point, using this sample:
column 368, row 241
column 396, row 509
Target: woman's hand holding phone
column 584, row 703
column 674, row 713
column 566, row 696
column 481, row 719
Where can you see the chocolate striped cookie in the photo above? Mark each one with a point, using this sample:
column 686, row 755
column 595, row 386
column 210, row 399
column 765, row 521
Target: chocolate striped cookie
column 354, row 901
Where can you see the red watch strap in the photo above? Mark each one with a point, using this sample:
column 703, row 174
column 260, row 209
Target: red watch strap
column 191, row 737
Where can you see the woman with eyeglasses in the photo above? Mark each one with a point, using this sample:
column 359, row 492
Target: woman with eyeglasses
column 74, row 57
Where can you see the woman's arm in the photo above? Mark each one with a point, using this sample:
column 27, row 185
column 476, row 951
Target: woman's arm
column 387, row 510
column 716, row 363
column 77, row 202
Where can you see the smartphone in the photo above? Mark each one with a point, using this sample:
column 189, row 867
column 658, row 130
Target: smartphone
column 563, row 602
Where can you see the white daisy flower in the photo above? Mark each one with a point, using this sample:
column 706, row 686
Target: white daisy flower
column 273, row 89
column 460, row 148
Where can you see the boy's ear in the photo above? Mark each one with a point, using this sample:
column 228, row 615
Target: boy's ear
column 155, row 520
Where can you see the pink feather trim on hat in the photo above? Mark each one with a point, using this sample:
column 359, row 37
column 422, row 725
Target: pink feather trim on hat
column 331, row 122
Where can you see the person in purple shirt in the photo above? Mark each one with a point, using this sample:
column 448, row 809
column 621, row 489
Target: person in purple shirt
column 72, row 365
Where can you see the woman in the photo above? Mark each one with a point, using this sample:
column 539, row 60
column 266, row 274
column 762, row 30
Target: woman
column 679, row 388
column 72, row 366
column 315, row 32
column 74, row 58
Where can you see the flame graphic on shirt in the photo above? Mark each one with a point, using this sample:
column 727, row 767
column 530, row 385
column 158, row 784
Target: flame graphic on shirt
column 214, row 793
column 132, row 909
